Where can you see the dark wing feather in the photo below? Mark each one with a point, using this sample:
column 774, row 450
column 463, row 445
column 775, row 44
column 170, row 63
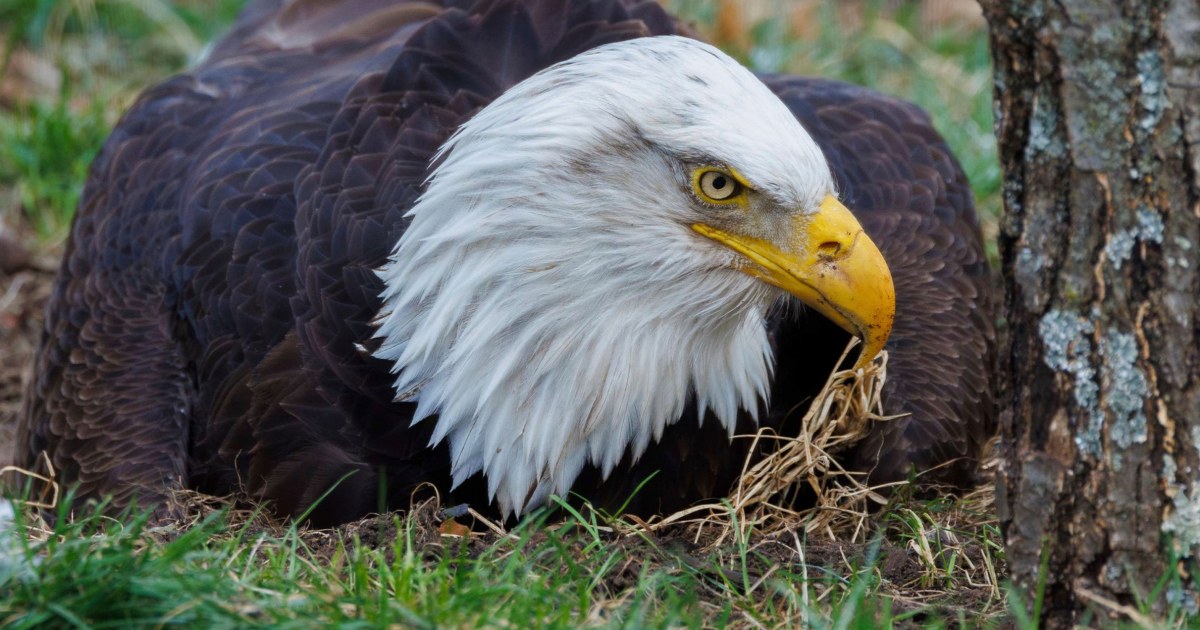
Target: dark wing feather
column 211, row 325
column 108, row 351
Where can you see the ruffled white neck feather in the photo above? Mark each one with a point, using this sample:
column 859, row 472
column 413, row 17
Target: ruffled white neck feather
column 549, row 303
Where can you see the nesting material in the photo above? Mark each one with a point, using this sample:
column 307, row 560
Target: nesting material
column 841, row 415
column 44, row 489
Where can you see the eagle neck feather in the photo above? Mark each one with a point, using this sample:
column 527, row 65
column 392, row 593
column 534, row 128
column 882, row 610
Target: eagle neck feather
column 549, row 305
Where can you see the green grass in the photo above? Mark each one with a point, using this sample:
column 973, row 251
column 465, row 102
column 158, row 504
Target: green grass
column 48, row 139
column 181, row 26
column 45, row 150
column 234, row 569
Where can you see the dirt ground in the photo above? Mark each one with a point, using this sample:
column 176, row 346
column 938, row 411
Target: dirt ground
column 959, row 583
column 25, row 281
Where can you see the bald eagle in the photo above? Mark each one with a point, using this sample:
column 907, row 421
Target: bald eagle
column 508, row 248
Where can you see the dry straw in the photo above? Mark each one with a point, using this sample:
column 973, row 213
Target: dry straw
column 763, row 499
column 45, row 497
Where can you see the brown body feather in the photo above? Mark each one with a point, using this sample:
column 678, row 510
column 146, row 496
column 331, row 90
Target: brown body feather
column 211, row 323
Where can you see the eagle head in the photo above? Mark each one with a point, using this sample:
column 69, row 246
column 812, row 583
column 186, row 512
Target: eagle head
column 601, row 243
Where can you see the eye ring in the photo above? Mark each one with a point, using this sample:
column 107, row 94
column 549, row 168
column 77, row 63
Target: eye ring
column 716, row 185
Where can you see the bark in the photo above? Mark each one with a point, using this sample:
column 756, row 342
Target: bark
column 1098, row 105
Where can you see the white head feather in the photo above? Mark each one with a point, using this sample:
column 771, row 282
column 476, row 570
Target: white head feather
column 550, row 303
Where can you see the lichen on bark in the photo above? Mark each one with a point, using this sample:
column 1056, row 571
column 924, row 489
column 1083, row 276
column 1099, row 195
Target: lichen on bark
column 1098, row 126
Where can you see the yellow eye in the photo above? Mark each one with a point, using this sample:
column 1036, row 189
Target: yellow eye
column 716, row 185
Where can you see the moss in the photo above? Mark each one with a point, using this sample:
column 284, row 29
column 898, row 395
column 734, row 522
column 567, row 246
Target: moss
column 1149, row 229
column 1069, row 350
column 1096, row 118
column 1150, row 225
column 1183, row 523
column 1066, row 336
column 1045, row 133
column 1120, row 247
column 1096, row 88
column 1126, row 389
column 1153, row 84
column 1030, row 263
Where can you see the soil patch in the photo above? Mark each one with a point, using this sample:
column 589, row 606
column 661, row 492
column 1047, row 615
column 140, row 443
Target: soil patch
column 24, row 287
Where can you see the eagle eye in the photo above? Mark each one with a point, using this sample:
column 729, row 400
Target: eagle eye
column 717, row 185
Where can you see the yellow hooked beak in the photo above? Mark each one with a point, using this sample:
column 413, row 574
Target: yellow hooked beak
column 831, row 265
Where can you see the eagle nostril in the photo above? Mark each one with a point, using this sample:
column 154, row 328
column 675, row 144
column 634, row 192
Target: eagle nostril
column 829, row 249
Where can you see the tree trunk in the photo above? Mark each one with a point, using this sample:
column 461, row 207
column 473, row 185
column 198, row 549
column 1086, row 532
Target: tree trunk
column 1098, row 107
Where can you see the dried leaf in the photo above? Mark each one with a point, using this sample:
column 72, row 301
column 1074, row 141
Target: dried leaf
column 451, row 527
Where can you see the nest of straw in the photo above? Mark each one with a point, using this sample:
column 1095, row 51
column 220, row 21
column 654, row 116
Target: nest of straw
column 762, row 500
